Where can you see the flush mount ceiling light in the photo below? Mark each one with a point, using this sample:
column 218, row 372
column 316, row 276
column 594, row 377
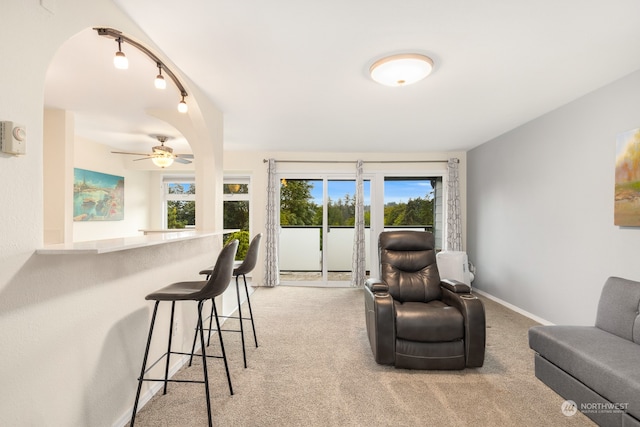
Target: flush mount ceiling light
column 401, row 70
column 120, row 61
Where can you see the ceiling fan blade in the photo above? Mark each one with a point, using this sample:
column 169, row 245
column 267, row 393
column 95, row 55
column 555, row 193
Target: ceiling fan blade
column 183, row 161
column 144, row 158
column 124, row 152
column 185, row 156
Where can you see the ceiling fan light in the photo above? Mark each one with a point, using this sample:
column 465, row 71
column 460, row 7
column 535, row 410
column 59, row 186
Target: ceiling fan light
column 162, row 162
column 182, row 106
column 402, row 69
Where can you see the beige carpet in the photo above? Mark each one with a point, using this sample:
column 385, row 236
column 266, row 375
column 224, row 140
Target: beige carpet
column 314, row 367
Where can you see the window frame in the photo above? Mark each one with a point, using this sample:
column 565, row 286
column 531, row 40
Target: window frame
column 238, row 197
column 172, row 197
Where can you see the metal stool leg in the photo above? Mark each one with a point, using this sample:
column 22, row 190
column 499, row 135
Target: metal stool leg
column 244, row 352
column 204, row 363
column 144, row 364
column 213, row 303
column 253, row 326
column 224, row 355
column 193, row 346
column 166, row 368
column 195, row 335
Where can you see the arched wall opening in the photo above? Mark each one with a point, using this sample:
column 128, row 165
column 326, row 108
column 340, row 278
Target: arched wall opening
column 91, row 109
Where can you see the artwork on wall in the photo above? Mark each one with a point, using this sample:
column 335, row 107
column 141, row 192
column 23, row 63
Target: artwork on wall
column 627, row 194
column 97, row 196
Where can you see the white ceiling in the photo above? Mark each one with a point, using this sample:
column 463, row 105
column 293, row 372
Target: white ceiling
column 293, row 75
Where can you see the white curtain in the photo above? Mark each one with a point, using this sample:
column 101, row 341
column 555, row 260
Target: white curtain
column 358, row 263
column 454, row 223
column 272, row 274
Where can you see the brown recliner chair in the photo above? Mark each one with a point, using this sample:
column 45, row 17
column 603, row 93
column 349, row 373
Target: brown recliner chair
column 414, row 320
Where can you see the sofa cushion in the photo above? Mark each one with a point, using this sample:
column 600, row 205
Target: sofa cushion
column 618, row 309
column 428, row 322
column 602, row 361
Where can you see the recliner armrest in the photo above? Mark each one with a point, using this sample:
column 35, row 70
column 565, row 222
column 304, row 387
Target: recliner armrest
column 376, row 285
column 455, row 286
column 472, row 311
column 380, row 321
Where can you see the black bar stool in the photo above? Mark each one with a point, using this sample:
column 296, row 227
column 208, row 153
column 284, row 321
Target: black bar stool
column 245, row 267
column 199, row 291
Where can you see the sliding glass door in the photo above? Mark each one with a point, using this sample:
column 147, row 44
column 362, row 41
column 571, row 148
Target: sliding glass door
column 317, row 217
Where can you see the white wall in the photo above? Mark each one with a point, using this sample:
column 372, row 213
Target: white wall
column 540, row 202
column 96, row 157
column 74, row 327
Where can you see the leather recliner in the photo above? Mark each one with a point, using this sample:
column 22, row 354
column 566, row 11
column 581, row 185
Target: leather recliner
column 414, row 320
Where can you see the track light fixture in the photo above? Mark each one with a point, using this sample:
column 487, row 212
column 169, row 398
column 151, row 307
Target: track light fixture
column 120, row 61
column 160, row 82
column 182, row 106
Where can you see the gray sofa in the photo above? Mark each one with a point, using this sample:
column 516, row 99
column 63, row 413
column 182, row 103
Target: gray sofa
column 597, row 367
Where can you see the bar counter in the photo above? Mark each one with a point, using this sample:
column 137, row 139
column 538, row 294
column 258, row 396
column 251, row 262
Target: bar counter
column 125, row 243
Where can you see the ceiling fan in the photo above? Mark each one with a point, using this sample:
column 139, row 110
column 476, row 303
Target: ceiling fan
column 161, row 155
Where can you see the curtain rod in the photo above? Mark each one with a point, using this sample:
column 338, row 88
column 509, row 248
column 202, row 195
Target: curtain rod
column 364, row 161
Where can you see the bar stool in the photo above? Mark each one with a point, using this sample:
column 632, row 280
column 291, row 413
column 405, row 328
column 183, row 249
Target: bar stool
column 242, row 269
column 199, row 291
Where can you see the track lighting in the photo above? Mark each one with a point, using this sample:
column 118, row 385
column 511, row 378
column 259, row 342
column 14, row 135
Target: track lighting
column 182, row 106
column 120, row 61
column 160, row 82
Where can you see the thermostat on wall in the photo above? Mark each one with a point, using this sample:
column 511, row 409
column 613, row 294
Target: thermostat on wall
column 13, row 139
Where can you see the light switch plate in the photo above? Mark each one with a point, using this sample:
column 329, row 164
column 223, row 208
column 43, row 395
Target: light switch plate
column 13, row 138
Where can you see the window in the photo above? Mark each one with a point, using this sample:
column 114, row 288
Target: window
column 414, row 203
column 236, row 203
column 180, row 202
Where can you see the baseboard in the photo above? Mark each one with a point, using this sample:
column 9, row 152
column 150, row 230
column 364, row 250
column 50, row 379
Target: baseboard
column 156, row 387
column 513, row 307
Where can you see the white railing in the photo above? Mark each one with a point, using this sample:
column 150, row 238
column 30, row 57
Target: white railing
column 301, row 248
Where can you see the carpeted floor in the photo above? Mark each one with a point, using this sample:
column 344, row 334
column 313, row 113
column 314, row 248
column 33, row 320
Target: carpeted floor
column 314, row 367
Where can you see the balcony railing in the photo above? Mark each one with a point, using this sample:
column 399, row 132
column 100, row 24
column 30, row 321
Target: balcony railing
column 301, row 247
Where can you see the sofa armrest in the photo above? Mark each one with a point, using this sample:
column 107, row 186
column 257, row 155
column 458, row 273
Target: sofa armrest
column 380, row 321
column 472, row 311
column 455, row 286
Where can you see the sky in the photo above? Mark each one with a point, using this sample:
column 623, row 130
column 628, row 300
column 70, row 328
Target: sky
column 395, row 191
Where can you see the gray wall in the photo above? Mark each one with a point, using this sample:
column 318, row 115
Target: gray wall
column 540, row 207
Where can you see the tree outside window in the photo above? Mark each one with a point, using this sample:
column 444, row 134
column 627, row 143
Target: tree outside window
column 236, row 212
column 181, row 204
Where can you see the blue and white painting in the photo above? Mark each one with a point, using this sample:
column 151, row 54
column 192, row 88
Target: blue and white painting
column 97, row 196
